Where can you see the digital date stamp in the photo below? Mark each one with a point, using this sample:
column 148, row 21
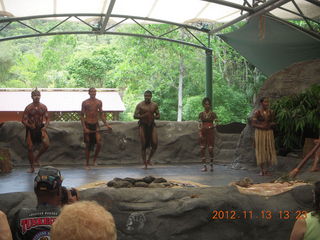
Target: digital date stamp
column 261, row 214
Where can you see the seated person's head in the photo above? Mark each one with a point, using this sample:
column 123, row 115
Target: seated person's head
column 47, row 183
column 68, row 196
column 84, row 220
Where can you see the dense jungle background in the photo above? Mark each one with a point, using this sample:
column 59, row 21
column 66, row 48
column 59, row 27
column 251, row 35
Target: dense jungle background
column 133, row 65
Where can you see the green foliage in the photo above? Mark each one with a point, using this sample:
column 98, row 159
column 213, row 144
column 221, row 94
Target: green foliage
column 24, row 71
column 7, row 58
column 297, row 114
column 133, row 64
column 192, row 108
column 91, row 69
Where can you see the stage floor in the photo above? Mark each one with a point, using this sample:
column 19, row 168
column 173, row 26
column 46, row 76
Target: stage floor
column 74, row 176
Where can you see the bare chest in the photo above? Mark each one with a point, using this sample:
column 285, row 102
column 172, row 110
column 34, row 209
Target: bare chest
column 91, row 106
column 147, row 108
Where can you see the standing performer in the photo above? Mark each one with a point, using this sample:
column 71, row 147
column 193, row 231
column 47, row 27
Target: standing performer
column 206, row 133
column 263, row 121
column 146, row 111
column 35, row 118
column 91, row 110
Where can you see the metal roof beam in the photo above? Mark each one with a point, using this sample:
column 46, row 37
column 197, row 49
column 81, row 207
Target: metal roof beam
column 259, row 10
column 96, row 31
column 107, row 16
column 107, row 33
column 315, row 2
column 301, row 13
column 297, row 14
column 230, row 4
column 13, row 19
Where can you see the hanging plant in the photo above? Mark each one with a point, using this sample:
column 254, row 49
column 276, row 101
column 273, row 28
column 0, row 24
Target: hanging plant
column 297, row 117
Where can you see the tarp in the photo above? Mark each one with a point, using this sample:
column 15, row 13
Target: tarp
column 271, row 44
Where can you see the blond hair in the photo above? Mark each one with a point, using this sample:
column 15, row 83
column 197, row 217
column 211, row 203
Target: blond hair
column 84, row 220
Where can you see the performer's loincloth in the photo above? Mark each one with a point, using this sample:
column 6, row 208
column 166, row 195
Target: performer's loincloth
column 90, row 138
column 207, row 132
column 35, row 134
column 147, row 129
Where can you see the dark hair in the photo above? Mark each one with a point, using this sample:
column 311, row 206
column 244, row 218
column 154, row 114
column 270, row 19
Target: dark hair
column 35, row 91
column 148, row 91
column 92, row 88
column 316, row 204
column 206, row 99
column 262, row 99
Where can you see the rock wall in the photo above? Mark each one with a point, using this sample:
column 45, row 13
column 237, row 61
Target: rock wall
column 187, row 213
column 291, row 80
column 178, row 142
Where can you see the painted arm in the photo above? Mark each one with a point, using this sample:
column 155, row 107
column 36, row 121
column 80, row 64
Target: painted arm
column 103, row 116
column 136, row 114
column 82, row 113
column 156, row 112
column 46, row 118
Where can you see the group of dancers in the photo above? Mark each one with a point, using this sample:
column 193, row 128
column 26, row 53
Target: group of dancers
column 36, row 120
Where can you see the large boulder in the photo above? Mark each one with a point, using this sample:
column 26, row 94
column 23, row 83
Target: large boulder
column 291, row 80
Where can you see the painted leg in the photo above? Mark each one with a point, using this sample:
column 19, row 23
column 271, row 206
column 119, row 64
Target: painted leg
column 87, row 152
column 96, row 153
column 262, row 171
column 154, row 145
column 203, row 158
column 31, row 161
column 211, row 158
column 143, row 156
column 98, row 148
column 42, row 151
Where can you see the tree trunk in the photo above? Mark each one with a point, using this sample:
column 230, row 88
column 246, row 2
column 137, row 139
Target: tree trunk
column 180, row 88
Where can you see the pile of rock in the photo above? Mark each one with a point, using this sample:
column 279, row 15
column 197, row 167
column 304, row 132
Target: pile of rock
column 146, row 182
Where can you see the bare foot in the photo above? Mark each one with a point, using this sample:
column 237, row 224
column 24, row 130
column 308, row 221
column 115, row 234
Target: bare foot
column 315, row 170
column 31, row 170
column 266, row 173
column 87, row 167
column 204, row 169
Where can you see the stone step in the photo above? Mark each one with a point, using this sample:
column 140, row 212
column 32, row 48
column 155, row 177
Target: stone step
column 229, row 137
column 228, row 144
column 226, row 154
